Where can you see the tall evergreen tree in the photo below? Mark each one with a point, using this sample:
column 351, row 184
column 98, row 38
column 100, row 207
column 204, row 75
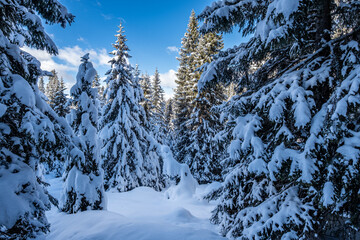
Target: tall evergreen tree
column 100, row 93
column 293, row 164
column 145, row 83
column 169, row 125
column 28, row 129
column 129, row 155
column 169, row 114
column 185, row 91
column 52, row 87
column 41, row 84
column 157, row 93
column 202, row 153
column 84, row 187
column 96, row 83
column 60, row 100
column 158, row 113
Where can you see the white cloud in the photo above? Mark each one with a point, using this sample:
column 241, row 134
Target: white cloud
column 67, row 62
column 172, row 49
column 81, row 39
column 168, row 79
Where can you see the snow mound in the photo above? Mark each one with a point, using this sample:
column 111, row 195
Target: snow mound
column 181, row 215
column 104, row 225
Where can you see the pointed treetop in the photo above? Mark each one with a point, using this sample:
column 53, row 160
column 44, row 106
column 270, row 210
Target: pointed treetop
column 85, row 58
column 121, row 49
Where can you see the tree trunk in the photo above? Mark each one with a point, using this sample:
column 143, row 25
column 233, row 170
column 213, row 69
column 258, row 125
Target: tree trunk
column 323, row 25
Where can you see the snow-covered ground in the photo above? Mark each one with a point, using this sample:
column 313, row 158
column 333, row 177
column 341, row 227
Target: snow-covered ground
column 141, row 214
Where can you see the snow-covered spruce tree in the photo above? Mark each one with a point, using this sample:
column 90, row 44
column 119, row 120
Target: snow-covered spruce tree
column 169, row 113
column 84, row 187
column 158, row 111
column 41, row 84
column 168, row 119
column 294, row 166
column 145, row 83
column 185, row 91
column 100, row 93
column 29, row 128
column 129, row 151
column 202, row 153
column 60, row 100
column 52, row 87
column 60, row 106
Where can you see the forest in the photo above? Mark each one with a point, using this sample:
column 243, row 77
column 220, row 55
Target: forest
column 260, row 140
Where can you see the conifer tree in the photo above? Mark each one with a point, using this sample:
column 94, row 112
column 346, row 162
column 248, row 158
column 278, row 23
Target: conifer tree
column 96, row 83
column 185, row 91
column 202, row 153
column 293, row 164
column 129, row 156
column 52, row 87
column 60, row 100
column 157, row 93
column 146, row 86
column 84, row 187
column 101, row 91
column 41, row 84
column 158, row 111
column 169, row 125
column 169, row 114
column 29, row 127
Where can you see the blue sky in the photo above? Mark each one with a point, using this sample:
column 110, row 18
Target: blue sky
column 154, row 30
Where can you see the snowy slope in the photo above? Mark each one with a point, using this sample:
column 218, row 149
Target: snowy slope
column 141, row 214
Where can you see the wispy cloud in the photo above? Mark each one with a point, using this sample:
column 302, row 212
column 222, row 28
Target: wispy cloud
column 172, row 49
column 107, row 16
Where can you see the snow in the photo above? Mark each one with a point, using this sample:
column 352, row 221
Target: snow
column 23, row 91
column 140, row 214
column 3, row 109
column 186, row 187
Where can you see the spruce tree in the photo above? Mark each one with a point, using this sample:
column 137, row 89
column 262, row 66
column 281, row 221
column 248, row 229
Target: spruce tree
column 41, row 84
column 60, row 100
column 158, row 111
column 185, row 91
column 29, row 128
column 145, row 83
column 293, row 164
column 100, row 93
column 169, row 114
column 52, row 87
column 84, row 187
column 202, row 153
column 169, row 125
column 129, row 152
column 96, row 83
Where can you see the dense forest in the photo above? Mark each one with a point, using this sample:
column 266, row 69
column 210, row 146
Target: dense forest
column 270, row 128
